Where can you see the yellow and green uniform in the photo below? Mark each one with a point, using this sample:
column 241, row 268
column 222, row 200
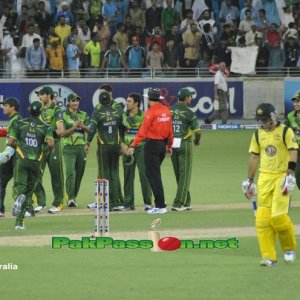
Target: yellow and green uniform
column 106, row 121
column 184, row 123
column 30, row 135
column 131, row 126
column 6, row 170
column 272, row 214
column 73, row 151
column 293, row 121
column 51, row 115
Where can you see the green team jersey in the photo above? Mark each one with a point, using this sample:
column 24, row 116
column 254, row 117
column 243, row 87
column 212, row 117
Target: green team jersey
column 50, row 116
column 78, row 136
column 14, row 118
column 107, row 121
column 293, row 121
column 30, row 135
column 131, row 126
column 184, row 121
column 113, row 104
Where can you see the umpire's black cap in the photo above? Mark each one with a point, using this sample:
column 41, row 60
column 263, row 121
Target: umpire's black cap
column 12, row 101
column 154, row 94
column 264, row 111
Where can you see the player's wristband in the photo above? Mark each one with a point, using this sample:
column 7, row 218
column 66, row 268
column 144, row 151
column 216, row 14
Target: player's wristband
column 292, row 165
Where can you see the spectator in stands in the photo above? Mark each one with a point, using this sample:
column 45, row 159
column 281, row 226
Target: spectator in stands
column 121, row 38
column 203, row 65
column 135, row 56
column 29, row 37
column 122, row 8
column 15, row 60
column 78, row 10
column 271, row 11
column 155, row 58
column 191, row 43
column 95, row 8
column 92, row 57
column 7, row 45
column 206, row 18
column 153, row 17
column 129, row 27
column 55, row 54
column 262, row 21
column 35, row 59
column 176, row 36
column 113, row 61
column 49, row 34
column 252, row 35
column 229, row 33
column 110, row 12
column 229, row 13
column 249, row 6
column 262, row 60
column 171, row 59
column 287, row 17
column 276, row 58
column 73, row 54
column 155, row 37
column 185, row 25
column 273, row 35
column 137, row 15
column 169, row 17
column 22, row 20
column 103, row 35
column 245, row 25
column 291, row 49
column 290, row 31
column 208, row 44
column 84, row 32
column 62, row 29
column 69, row 18
column 222, row 53
column 43, row 18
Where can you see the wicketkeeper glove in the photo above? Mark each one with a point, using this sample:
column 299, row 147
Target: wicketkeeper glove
column 288, row 184
column 249, row 188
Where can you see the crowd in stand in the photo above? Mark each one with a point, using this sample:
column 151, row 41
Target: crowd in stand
column 86, row 37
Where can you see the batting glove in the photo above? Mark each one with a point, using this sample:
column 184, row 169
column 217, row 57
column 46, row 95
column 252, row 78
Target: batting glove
column 288, row 184
column 249, row 188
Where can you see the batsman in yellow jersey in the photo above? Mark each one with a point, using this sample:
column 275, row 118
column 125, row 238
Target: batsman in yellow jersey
column 274, row 149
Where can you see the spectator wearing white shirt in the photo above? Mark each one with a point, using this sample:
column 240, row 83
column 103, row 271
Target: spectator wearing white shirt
column 185, row 25
column 29, row 37
column 245, row 25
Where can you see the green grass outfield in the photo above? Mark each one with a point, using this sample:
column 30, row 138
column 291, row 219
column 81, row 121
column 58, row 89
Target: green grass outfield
column 219, row 210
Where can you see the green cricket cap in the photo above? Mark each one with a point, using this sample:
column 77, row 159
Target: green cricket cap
column 296, row 96
column 45, row 90
column 73, row 96
column 12, row 101
column 184, row 93
column 36, row 106
column 104, row 98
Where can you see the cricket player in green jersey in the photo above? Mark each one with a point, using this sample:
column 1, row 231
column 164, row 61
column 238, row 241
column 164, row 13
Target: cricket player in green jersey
column 29, row 136
column 185, row 124
column 76, row 123
column 107, row 123
column 52, row 115
column 108, row 88
column 132, row 121
column 10, row 108
column 293, row 121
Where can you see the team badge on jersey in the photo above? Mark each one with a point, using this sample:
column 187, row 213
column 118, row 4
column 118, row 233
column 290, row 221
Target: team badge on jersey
column 271, row 150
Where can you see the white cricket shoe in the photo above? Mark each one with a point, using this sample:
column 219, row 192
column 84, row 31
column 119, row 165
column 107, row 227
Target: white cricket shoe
column 92, row 205
column 27, row 214
column 267, row 262
column 157, row 210
column 20, row 227
column 56, row 209
column 18, row 205
column 289, row 256
column 39, row 208
column 72, row 203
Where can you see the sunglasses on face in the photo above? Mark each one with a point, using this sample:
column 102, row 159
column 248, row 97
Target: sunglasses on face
column 75, row 100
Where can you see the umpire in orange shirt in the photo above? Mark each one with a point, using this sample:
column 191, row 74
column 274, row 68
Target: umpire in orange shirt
column 157, row 132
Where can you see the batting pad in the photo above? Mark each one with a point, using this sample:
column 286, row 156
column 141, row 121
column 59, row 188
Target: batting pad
column 265, row 233
column 285, row 229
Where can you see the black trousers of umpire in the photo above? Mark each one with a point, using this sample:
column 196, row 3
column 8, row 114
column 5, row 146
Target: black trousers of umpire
column 154, row 152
